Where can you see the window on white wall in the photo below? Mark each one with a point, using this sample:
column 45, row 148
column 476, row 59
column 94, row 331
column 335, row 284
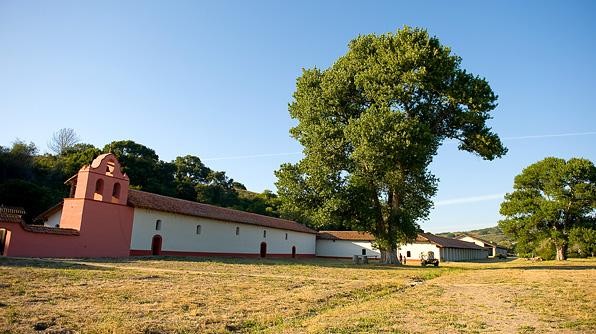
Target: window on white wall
column 363, row 251
column 286, row 236
column 158, row 225
column 264, row 233
column 237, row 230
column 408, row 254
column 198, row 229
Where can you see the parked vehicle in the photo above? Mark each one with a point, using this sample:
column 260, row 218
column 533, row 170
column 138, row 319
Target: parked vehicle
column 428, row 258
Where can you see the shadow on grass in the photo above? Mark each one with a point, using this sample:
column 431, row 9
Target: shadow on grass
column 48, row 263
column 554, row 267
column 89, row 263
column 95, row 263
column 314, row 262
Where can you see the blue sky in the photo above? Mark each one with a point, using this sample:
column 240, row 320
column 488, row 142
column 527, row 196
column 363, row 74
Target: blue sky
column 214, row 79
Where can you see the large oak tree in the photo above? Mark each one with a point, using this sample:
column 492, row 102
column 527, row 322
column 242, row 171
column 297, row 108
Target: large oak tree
column 552, row 200
column 370, row 126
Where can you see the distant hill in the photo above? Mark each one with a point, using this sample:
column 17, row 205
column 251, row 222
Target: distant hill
column 492, row 234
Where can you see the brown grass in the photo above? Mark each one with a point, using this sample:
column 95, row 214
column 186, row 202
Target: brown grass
column 186, row 295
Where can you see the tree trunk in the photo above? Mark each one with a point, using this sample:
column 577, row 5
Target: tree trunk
column 389, row 256
column 562, row 252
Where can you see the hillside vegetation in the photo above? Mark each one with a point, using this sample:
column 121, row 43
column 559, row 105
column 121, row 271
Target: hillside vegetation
column 36, row 181
column 492, row 234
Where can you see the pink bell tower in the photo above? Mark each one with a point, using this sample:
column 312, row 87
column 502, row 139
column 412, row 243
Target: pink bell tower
column 98, row 208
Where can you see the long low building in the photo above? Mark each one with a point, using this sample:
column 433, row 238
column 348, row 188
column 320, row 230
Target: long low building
column 346, row 244
column 104, row 218
column 492, row 247
column 446, row 249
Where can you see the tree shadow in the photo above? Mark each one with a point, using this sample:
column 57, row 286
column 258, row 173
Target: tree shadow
column 48, row 264
column 554, row 267
column 267, row 261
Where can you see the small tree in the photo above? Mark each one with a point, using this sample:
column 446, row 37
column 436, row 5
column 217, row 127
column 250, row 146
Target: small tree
column 550, row 199
column 62, row 140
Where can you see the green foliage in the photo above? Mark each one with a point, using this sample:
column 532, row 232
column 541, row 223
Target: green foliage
column 77, row 156
column 265, row 203
column 143, row 167
column 491, row 234
column 550, row 199
column 36, row 182
column 583, row 241
column 370, row 126
column 34, row 198
column 545, row 249
column 27, row 180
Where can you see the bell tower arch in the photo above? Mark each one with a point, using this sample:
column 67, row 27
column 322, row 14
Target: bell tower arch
column 98, row 207
column 103, row 181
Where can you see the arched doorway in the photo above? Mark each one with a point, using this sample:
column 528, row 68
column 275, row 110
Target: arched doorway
column 263, row 249
column 156, row 245
column 293, row 252
column 2, row 240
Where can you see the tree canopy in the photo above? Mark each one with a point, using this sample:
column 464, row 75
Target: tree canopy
column 36, row 182
column 552, row 200
column 370, row 126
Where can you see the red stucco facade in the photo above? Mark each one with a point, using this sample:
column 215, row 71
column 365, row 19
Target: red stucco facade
column 95, row 223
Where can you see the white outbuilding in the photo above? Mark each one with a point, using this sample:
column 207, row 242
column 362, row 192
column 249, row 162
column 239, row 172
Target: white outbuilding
column 445, row 249
column 492, row 247
column 345, row 244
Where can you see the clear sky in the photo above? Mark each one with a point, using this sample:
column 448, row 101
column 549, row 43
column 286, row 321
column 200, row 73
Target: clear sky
column 214, row 79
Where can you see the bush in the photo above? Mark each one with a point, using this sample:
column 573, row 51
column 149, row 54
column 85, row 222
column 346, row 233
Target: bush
column 546, row 250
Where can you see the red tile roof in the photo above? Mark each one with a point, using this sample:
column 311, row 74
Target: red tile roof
column 141, row 199
column 49, row 230
column 422, row 237
column 11, row 214
column 345, row 235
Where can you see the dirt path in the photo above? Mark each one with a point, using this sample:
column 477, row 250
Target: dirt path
column 493, row 303
column 474, row 301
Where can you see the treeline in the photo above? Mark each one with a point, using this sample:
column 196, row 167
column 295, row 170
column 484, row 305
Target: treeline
column 36, row 181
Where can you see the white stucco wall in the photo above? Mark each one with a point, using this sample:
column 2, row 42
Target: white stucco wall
column 53, row 219
column 492, row 251
column 345, row 248
column 470, row 239
column 178, row 233
column 415, row 249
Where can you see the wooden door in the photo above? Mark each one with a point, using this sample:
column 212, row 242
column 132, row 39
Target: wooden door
column 156, row 245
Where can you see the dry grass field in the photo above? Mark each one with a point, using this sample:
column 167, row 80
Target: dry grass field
column 190, row 295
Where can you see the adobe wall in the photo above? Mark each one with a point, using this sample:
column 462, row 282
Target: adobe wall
column 106, row 232
column 345, row 248
column 216, row 238
column 23, row 243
